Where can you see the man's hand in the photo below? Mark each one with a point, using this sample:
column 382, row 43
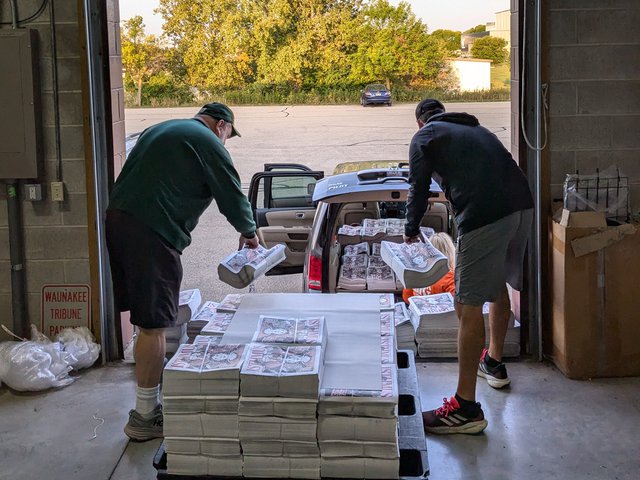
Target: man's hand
column 414, row 239
column 248, row 242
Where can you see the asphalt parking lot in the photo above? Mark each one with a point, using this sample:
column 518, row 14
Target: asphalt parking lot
column 317, row 136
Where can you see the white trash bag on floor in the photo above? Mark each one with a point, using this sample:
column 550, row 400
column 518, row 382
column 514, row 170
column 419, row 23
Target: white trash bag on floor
column 80, row 343
column 33, row 366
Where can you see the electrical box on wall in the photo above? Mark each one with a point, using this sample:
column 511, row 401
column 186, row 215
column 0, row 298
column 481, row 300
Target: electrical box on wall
column 20, row 122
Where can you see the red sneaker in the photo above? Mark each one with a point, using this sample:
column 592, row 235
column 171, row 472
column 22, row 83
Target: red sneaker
column 450, row 418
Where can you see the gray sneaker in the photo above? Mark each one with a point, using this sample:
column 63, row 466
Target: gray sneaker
column 142, row 428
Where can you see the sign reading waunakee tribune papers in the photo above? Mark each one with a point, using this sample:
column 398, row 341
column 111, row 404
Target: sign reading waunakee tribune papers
column 65, row 306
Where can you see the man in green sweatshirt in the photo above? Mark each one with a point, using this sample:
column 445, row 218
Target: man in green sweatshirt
column 171, row 176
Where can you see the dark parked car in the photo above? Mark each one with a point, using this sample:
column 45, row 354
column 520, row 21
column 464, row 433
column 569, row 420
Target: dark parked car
column 375, row 93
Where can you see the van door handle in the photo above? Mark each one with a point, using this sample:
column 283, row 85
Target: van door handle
column 299, row 214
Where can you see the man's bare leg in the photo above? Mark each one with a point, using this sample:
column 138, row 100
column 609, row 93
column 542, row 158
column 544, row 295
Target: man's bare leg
column 149, row 355
column 470, row 343
column 499, row 314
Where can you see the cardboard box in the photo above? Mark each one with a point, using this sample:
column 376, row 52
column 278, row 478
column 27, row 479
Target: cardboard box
column 582, row 219
column 595, row 325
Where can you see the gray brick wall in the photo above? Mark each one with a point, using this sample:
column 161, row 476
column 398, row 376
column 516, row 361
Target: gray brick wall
column 56, row 243
column 593, row 55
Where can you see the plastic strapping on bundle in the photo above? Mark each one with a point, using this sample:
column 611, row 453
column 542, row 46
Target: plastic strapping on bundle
column 95, row 429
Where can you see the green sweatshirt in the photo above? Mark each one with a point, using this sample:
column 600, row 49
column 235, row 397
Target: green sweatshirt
column 171, row 176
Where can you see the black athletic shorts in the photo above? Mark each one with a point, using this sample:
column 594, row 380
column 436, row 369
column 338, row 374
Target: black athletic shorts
column 145, row 269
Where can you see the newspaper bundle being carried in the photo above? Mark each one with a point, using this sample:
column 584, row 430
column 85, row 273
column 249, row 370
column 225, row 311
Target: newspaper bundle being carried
column 241, row 268
column 309, row 331
column 280, row 371
column 417, row 264
column 349, row 234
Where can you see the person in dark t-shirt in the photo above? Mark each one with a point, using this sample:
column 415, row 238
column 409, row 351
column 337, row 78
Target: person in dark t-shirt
column 493, row 209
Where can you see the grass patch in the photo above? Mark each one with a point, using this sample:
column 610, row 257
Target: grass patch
column 501, row 76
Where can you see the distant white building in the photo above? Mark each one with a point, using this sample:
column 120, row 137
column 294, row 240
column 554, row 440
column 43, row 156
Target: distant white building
column 501, row 28
column 473, row 74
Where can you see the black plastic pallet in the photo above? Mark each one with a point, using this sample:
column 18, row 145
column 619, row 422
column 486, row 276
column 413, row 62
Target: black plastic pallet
column 414, row 461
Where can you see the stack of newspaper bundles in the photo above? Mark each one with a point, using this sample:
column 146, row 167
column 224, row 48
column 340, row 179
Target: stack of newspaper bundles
column 241, row 268
column 406, row 325
column 417, row 264
column 373, row 230
column 438, row 326
column 395, row 230
column 358, row 429
column 353, row 272
column 188, row 303
column 201, row 390
column 349, row 234
column 280, row 383
column 205, row 314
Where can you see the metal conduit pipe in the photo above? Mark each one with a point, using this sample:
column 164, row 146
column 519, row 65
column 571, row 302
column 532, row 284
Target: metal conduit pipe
column 16, row 254
column 14, row 13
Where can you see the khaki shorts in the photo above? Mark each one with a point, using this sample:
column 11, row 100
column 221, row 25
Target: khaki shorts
column 490, row 256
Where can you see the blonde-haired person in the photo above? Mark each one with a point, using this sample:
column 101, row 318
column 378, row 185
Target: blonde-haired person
column 443, row 242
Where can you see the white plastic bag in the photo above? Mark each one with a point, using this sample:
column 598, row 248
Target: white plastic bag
column 80, row 343
column 33, row 366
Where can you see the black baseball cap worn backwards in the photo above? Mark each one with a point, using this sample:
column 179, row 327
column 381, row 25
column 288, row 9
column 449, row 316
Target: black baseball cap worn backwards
column 220, row 111
column 431, row 106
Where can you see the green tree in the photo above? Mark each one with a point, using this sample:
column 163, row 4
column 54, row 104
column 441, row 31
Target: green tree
column 477, row 29
column 490, row 48
column 213, row 38
column 141, row 54
column 450, row 38
column 395, row 47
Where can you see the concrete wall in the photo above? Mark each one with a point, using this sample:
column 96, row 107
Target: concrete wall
column 592, row 52
column 472, row 74
column 55, row 234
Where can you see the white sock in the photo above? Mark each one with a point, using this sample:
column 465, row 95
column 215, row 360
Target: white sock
column 147, row 399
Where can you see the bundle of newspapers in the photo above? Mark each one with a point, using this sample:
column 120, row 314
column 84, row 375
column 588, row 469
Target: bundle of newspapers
column 174, row 337
column 417, row 264
column 188, row 303
column 200, row 319
column 280, row 383
column 349, row 234
column 395, row 230
column 406, row 325
column 361, row 271
column 373, row 230
column 241, row 268
column 230, row 303
column 438, row 326
column 358, row 429
column 200, row 400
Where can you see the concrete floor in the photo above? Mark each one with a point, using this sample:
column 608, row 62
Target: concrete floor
column 543, row 427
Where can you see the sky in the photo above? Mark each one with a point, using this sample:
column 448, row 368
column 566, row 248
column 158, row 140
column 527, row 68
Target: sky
column 437, row 14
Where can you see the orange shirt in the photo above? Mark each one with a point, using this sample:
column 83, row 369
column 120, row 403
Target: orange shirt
column 444, row 285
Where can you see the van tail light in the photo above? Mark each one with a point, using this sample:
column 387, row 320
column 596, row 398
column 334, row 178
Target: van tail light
column 315, row 273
